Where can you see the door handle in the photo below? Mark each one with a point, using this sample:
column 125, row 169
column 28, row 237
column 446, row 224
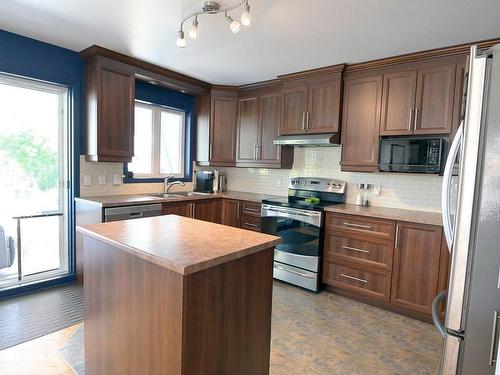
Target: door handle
column 308, row 117
column 358, row 225
column 494, row 337
column 435, row 313
column 415, row 120
column 356, row 249
column 303, row 120
column 410, row 118
column 251, row 225
column 353, row 278
column 294, row 272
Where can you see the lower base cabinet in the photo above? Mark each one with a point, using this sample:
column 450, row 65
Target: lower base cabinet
column 232, row 212
column 402, row 273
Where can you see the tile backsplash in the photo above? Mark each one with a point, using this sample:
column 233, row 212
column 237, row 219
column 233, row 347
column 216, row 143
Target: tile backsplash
column 409, row 191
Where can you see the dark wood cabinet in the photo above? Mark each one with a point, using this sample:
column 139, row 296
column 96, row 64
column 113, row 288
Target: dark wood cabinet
column 435, row 99
column 415, row 276
column 399, row 266
column 203, row 210
column 311, row 101
column 249, row 132
column 177, row 208
column 216, row 128
column 360, row 123
column 231, row 212
column 398, row 100
column 324, row 106
column 294, row 110
column 420, row 100
column 259, row 120
column 109, row 110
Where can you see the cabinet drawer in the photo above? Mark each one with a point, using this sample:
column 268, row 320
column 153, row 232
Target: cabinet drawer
column 369, row 283
column 374, row 254
column 250, row 208
column 250, row 222
column 378, row 228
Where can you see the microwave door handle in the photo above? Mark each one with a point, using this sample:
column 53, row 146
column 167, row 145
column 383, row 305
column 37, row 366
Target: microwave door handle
column 445, row 193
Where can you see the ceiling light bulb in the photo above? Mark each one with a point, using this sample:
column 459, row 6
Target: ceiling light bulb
column 193, row 31
column 234, row 25
column 181, row 41
column 246, row 16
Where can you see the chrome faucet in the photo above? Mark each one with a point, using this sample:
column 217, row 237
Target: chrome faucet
column 168, row 185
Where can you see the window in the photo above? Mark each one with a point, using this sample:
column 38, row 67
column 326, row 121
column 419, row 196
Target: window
column 159, row 142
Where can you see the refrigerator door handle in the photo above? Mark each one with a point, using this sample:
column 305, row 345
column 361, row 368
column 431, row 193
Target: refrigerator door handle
column 435, row 313
column 445, row 193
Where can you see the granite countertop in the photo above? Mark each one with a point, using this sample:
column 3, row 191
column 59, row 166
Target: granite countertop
column 412, row 216
column 128, row 200
column 180, row 244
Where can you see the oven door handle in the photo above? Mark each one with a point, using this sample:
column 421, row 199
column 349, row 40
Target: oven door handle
column 294, row 272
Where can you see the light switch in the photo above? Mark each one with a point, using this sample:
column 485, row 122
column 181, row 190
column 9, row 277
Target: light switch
column 87, row 180
column 278, row 182
column 102, row 179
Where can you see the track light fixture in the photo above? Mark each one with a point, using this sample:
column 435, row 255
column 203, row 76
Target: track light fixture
column 212, row 7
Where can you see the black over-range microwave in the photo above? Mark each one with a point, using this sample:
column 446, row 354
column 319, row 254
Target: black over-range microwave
column 412, row 155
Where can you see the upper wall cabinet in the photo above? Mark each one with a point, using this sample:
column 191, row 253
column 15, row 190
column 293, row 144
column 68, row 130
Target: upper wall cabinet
column 109, row 110
column 311, row 101
column 216, row 128
column 259, row 120
column 419, row 99
column 360, row 123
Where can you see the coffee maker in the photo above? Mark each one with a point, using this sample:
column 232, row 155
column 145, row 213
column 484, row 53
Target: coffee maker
column 204, row 181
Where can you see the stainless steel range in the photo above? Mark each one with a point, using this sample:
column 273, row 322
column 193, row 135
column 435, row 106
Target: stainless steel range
column 298, row 220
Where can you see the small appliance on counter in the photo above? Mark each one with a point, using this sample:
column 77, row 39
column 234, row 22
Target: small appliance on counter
column 299, row 221
column 222, row 182
column 204, row 181
column 362, row 198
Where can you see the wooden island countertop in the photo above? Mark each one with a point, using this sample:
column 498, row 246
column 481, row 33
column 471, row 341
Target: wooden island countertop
column 179, row 243
column 174, row 295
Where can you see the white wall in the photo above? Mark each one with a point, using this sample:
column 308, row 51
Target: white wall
column 410, row 191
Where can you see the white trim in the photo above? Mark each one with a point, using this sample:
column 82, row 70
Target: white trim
column 157, row 110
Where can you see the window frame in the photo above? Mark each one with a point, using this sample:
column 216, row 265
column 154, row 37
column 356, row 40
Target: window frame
column 187, row 148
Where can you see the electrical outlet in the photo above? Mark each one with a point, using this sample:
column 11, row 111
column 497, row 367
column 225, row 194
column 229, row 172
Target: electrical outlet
column 87, row 180
column 102, row 179
column 376, row 190
column 279, row 183
column 117, row 179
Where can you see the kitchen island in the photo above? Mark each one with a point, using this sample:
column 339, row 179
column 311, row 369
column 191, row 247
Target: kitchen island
column 174, row 295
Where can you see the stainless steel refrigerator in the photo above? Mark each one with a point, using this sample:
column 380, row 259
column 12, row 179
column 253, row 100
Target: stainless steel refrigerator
column 472, row 322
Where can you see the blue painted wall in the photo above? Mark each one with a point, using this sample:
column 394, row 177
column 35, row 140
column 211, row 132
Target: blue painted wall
column 30, row 58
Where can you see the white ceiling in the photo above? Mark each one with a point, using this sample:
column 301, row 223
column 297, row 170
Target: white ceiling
column 286, row 36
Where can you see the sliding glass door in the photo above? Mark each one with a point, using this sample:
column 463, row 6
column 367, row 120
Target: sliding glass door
column 34, row 163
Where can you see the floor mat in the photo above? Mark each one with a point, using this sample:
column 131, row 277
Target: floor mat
column 30, row 316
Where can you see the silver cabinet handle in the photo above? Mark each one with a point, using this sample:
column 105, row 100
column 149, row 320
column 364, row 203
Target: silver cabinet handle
column 353, row 278
column 192, row 210
column 415, row 120
column 303, row 120
column 494, row 337
column 410, row 119
column 255, row 152
column 210, row 152
column 294, row 272
column 357, row 225
column 252, row 209
column 251, row 225
column 356, row 249
column 135, row 214
column 397, row 236
column 308, row 117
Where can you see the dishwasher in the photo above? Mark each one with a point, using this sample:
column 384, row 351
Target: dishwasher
column 131, row 212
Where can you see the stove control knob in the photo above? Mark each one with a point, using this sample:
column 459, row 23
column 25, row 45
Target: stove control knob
column 339, row 186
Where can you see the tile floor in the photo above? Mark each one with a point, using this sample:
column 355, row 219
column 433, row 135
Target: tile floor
column 311, row 334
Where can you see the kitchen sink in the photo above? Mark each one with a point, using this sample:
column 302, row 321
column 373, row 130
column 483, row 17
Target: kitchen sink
column 164, row 195
column 190, row 193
